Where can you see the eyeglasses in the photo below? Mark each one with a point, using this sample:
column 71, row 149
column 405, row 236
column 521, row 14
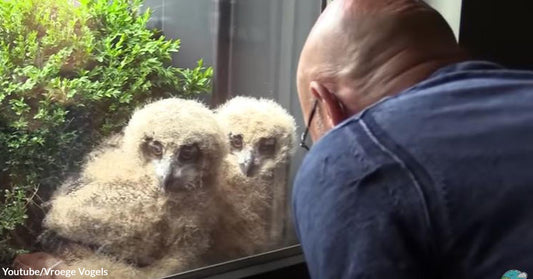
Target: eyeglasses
column 303, row 137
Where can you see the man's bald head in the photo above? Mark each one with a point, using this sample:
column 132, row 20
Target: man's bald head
column 363, row 50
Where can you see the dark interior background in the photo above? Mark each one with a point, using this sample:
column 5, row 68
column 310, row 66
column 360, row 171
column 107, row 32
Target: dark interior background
column 499, row 30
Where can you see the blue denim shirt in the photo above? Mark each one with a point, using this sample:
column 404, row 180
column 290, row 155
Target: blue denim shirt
column 436, row 182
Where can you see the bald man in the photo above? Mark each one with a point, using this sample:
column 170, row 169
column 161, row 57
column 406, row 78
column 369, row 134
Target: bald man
column 421, row 166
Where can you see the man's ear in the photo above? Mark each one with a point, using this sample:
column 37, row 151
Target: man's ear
column 333, row 107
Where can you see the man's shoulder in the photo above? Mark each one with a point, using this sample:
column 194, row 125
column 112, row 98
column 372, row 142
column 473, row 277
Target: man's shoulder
column 472, row 83
column 345, row 145
column 345, row 154
column 463, row 100
column 469, row 129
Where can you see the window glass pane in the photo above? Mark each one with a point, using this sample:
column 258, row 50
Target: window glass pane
column 104, row 171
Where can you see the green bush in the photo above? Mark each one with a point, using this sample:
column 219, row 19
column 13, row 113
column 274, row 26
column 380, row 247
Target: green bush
column 71, row 72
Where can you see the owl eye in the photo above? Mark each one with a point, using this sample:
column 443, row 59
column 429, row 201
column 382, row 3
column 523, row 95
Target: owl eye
column 189, row 153
column 236, row 141
column 267, row 145
column 156, row 148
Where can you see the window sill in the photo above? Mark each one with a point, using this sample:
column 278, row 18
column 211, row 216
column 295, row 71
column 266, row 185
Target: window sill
column 248, row 266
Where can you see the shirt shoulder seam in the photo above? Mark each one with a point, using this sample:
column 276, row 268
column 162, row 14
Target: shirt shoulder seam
column 415, row 182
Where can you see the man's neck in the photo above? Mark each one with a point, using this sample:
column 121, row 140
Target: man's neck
column 392, row 78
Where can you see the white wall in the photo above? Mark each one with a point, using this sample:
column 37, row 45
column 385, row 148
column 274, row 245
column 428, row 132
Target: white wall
column 451, row 11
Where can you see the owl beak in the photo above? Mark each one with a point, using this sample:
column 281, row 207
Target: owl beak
column 167, row 183
column 167, row 177
column 173, row 182
column 246, row 161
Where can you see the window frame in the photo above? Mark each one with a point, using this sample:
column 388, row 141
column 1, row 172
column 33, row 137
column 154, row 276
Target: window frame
column 247, row 266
